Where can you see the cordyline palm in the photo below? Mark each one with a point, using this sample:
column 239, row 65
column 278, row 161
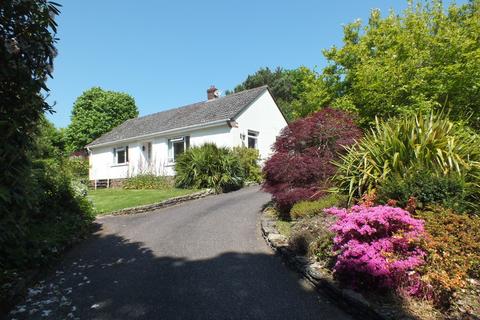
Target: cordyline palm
column 401, row 146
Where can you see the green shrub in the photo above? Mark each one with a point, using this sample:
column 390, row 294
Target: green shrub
column 400, row 147
column 427, row 189
column 60, row 215
column 77, row 168
column 304, row 209
column 209, row 166
column 148, row 181
column 249, row 159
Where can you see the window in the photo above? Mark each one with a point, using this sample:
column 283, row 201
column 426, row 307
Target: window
column 120, row 155
column 252, row 139
column 177, row 146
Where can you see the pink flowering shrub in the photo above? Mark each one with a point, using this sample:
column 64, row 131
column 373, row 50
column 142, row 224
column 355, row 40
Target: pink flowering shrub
column 377, row 247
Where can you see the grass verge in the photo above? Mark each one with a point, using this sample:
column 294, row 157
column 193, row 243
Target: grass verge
column 109, row 200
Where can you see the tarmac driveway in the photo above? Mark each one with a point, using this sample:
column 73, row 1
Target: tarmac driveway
column 204, row 259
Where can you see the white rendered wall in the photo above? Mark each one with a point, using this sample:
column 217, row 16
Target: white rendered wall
column 102, row 161
column 264, row 117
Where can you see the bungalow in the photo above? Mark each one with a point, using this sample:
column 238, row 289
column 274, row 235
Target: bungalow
column 151, row 143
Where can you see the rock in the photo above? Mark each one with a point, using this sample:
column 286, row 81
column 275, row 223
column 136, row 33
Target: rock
column 277, row 240
column 355, row 296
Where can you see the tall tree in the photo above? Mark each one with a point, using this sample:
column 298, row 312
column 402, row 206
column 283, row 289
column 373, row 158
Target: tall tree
column 27, row 39
column 49, row 141
column 298, row 92
column 96, row 112
column 426, row 58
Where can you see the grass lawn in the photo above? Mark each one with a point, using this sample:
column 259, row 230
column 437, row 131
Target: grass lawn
column 108, row 200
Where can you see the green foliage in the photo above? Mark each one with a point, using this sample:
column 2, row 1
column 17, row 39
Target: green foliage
column 426, row 58
column 249, row 159
column 399, row 148
column 54, row 192
column 96, row 112
column 304, row 209
column 209, row 166
column 77, row 168
column 60, row 215
column 427, row 189
column 298, row 92
column 453, row 251
column 148, row 181
column 27, row 50
column 310, row 90
column 49, row 141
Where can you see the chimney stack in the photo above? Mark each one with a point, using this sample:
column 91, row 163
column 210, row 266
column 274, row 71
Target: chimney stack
column 212, row 93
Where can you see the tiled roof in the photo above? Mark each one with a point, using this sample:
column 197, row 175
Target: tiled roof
column 205, row 112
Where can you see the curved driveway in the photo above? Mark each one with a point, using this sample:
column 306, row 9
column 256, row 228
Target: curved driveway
column 203, row 259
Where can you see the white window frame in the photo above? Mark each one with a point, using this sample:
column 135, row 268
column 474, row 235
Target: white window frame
column 251, row 134
column 115, row 156
column 172, row 141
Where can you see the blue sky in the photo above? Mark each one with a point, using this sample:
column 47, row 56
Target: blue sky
column 167, row 53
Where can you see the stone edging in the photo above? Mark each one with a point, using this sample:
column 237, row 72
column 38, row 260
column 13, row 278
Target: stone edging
column 352, row 301
column 166, row 203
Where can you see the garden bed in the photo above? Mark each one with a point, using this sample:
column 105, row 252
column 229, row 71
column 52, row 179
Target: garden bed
column 386, row 305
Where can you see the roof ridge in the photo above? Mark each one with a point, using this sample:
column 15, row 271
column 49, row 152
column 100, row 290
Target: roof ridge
column 195, row 113
column 200, row 102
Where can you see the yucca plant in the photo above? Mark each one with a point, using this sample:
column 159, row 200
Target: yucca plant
column 400, row 147
column 209, row 166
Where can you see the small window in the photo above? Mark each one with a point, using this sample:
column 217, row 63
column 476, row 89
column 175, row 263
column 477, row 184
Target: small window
column 252, row 139
column 120, row 155
column 177, row 146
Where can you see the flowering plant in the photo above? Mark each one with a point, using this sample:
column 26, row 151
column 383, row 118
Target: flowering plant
column 377, row 247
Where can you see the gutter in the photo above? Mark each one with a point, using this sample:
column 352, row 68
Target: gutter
column 161, row 133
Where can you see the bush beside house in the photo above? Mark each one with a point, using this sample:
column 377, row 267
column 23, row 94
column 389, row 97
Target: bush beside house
column 219, row 168
column 148, row 181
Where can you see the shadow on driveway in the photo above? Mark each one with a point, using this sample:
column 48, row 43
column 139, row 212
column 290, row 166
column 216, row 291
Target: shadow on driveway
column 109, row 277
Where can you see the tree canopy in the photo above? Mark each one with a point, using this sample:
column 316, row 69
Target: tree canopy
column 426, row 58
column 298, row 92
column 49, row 141
column 96, row 112
column 27, row 50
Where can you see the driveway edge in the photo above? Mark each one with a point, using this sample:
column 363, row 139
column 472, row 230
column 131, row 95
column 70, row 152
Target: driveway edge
column 351, row 301
column 159, row 205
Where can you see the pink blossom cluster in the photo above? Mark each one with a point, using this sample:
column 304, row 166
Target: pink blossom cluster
column 377, row 246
